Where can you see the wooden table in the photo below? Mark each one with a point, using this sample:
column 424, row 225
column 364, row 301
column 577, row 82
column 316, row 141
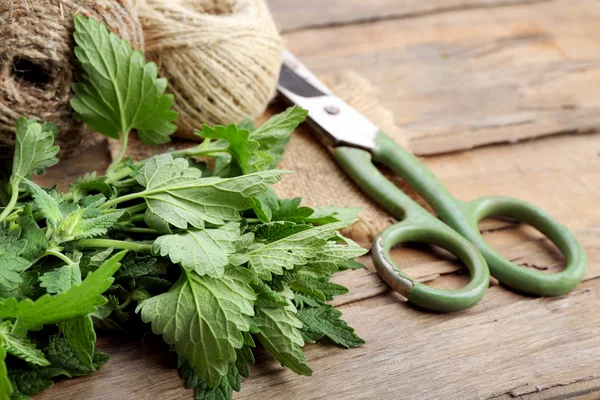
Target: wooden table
column 537, row 65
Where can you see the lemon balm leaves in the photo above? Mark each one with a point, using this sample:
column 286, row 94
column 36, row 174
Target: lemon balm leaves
column 204, row 318
column 34, row 148
column 20, row 347
column 279, row 332
column 5, row 385
column 274, row 135
column 12, row 249
column 205, row 251
column 117, row 91
column 218, row 260
column 325, row 321
column 244, row 151
column 34, row 152
column 79, row 300
column 177, row 195
column 291, row 251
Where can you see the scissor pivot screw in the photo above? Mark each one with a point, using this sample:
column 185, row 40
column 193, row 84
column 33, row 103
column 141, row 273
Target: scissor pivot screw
column 332, row 110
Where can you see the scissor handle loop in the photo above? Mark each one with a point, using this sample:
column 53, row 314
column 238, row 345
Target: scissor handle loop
column 419, row 293
column 510, row 274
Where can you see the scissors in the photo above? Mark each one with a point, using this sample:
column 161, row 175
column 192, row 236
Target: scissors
column 356, row 143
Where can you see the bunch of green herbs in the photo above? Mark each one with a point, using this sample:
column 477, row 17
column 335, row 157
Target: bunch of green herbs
column 203, row 251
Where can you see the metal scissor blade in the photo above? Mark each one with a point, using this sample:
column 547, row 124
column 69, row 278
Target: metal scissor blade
column 337, row 123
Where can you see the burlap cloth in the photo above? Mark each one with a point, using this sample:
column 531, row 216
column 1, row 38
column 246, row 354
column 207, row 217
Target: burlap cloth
column 317, row 178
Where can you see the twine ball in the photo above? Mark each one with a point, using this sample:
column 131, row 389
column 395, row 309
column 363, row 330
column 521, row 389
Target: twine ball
column 37, row 63
column 221, row 57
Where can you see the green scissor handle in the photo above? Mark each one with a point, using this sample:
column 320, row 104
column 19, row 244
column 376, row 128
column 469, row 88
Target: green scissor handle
column 461, row 234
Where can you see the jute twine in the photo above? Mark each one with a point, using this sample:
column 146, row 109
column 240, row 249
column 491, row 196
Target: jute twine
column 37, row 62
column 221, row 57
column 317, row 178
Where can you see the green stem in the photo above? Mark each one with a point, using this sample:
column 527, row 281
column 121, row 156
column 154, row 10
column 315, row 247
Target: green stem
column 60, row 255
column 136, row 229
column 122, row 199
column 136, row 218
column 124, row 139
column 13, row 200
column 115, row 244
column 197, row 151
column 117, row 175
column 133, row 210
column 125, row 304
column 124, row 183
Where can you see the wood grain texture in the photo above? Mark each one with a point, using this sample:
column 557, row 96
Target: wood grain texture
column 507, row 345
column 467, row 78
column 295, row 15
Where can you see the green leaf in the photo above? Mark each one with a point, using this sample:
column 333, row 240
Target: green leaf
column 20, row 347
column 79, row 300
column 25, row 288
column 86, row 223
column 28, row 382
column 61, row 355
column 34, row 150
column 329, row 214
column 117, row 91
column 242, row 149
column 79, row 333
column 323, row 285
column 11, row 249
column 291, row 251
column 90, row 183
column 279, row 333
column 325, row 320
column 333, row 254
column 32, row 234
column 142, row 266
column 350, row 264
column 224, row 391
column 273, row 231
column 62, row 279
column 290, row 210
column 274, row 135
column 45, row 203
column 6, row 388
column 204, row 317
column 206, row 251
column 267, row 297
column 177, row 195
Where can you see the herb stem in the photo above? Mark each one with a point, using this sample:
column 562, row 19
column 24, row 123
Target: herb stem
column 135, row 218
column 124, row 139
column 132, row 210
column 197, row 151
column 122, row 199
column 136, row 229
column 13, row 200
column 58, row 254
column 115, row 244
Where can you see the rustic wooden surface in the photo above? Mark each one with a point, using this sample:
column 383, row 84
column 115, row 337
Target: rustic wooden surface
column 473, row 76
column 509, row 345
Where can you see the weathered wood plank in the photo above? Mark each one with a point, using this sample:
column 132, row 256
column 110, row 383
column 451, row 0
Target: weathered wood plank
column 462, row 79
column 295, row 15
